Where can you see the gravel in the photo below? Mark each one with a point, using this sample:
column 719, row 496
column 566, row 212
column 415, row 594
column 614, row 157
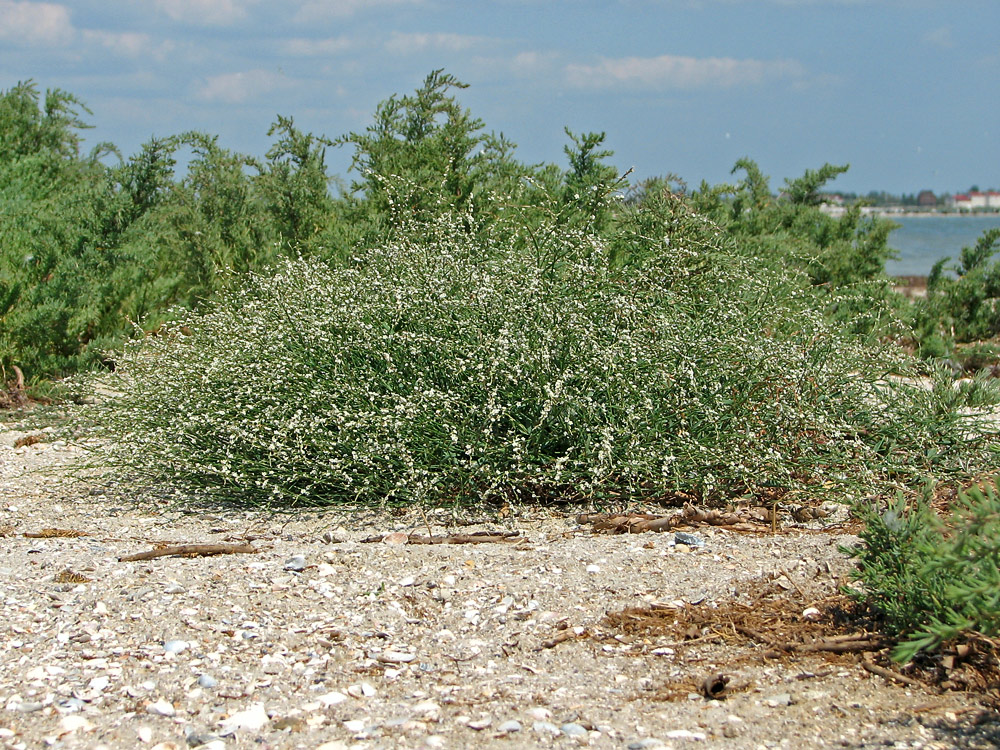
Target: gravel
column 321, row 641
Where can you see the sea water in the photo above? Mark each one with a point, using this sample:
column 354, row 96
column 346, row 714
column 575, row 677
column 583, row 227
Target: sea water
column 923, row 240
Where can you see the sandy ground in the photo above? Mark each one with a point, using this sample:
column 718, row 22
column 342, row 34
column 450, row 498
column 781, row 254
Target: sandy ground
column 318, row 639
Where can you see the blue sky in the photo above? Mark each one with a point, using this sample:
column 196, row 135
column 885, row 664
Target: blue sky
column 906, row 91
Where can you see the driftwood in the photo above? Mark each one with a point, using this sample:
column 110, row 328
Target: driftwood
column 830, row 647
column 477, row 537
column 53, row 533
column 870, row 666
column 636, row 523
column 191, row 550
column 840, row 644
column 569, row 634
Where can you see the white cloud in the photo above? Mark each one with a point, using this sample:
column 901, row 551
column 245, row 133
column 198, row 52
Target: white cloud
column 521, row 64
column 128, row 44
column 400, row 43
column 43, row 23
column 334, row 45
column 529, row 62
column 204, row 12
column 234, row 88
column 323, row 10
column 941, row 37
column 673, row 71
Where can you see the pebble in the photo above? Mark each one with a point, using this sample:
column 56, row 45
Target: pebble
column 546, row 727
column 296, row 563
column 200, row 740
column 426, row 709
column 572, row 729
column 364, row 690
column 395, row 657
column 685, row 734
column 692, row 540
column 510, row 726
column 207, row 681
column 782, row 699
column 175, row 647
column 161, row 708
column 649, row 743
column 74, row 723
column 251, row 719
column 332, row 699
column 479, row 724
column 174, row 588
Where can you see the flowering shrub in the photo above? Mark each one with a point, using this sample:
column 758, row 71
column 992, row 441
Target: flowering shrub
column 509, row 357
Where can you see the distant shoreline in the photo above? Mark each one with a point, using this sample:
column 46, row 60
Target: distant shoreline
column 896, row 213
column 934, row 214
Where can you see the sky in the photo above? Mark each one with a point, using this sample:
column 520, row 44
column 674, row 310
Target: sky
column 905, row 91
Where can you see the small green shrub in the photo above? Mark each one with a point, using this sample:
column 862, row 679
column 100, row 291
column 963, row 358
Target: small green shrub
column 892, row 557
column 934, row 581
column 964, row 307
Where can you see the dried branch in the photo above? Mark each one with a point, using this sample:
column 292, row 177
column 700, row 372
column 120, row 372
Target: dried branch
column 53, row 533
column 191, row 550
column 888, row 674
column 477, row 537
column 569, row 634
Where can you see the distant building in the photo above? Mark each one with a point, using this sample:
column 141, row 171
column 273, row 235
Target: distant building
column 960, row 202
column 976, row 201
column 926, row 199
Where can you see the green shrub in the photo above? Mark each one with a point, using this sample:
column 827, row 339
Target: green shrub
column 934, row 581
column 88, row 250
column 516, row 356
column 964, row 307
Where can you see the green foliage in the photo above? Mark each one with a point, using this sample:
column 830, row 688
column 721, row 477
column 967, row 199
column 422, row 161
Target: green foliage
column 589, row 179
column 29, row 126
column 892, row 557
column 433, row 151
column 934, row 581
column 804, row 191
column 295, row 188
column 494, row 352
column 964, row 307
column 425, row 155
column 90, row 250
column 844, row 255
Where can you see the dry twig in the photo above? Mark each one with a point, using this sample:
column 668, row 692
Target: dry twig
column 870, row 666
column 477, row 537
column 191, row 550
